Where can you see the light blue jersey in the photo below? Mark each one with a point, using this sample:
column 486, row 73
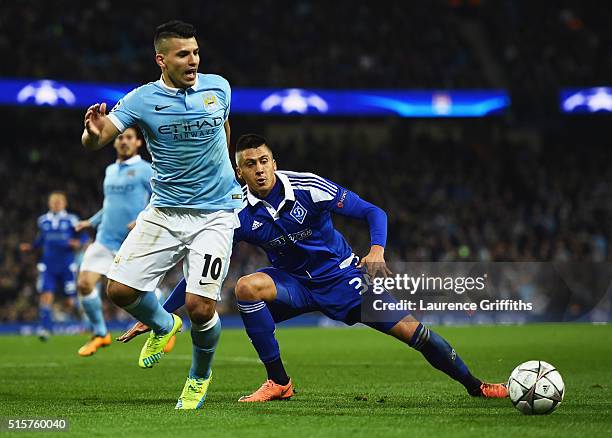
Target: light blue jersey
column 184, row 133
column 127, row 189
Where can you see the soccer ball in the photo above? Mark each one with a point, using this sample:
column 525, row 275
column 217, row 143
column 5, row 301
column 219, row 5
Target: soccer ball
column 536, row 387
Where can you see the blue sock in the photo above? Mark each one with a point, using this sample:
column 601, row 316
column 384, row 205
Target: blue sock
column 443, row 357
column 147, row 309
column 45, row 315
column 205, row 339
column 92, row 306
column 176, row 299
column 260, row 327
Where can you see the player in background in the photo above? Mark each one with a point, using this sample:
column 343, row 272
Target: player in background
column 127, row 189
column 59, row 240
column 288, row 215
column 184, row 117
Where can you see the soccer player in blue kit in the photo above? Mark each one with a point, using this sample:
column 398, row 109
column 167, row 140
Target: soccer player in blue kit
column 184, row 117
column 59, row 240
column 127, row 189
column 288, row 214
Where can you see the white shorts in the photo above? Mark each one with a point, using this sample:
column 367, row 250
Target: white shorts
column 97, row 258
column 164, row 236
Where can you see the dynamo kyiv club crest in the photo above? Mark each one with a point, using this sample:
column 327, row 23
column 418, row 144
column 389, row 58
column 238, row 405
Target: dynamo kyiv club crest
column 298, row 212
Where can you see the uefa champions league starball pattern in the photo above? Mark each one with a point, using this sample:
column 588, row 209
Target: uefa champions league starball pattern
column 536, row 387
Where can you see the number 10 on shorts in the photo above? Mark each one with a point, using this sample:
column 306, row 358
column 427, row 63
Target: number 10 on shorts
column 212, row 267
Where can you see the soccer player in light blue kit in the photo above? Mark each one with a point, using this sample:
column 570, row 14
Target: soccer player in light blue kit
column 184, row 118
column 289, row 216
column 127, row 189
column 59, row 240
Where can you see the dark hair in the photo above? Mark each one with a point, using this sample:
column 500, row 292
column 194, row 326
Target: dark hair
column 250, row 141
column 174, row 29
column 137, row 131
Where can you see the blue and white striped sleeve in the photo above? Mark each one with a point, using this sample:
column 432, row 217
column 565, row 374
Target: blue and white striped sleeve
column 331, row 197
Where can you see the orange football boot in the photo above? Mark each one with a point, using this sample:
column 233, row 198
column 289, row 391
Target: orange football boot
column 170, row 345
column 494, row 390
column 93, row 344
column 270, row 391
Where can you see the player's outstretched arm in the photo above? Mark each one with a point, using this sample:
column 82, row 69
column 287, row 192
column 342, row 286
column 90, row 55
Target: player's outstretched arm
column 99, row 130
column 25, row 247
column 81, row 225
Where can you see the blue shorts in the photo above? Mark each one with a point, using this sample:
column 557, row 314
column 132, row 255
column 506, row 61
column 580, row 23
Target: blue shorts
column 339, row 297
column 51, row 281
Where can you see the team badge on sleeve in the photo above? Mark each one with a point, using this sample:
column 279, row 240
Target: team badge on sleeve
column 117, row 105
column 298, row 212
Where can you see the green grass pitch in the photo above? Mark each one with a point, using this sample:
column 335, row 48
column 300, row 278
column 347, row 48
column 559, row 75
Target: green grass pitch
column 350, row 382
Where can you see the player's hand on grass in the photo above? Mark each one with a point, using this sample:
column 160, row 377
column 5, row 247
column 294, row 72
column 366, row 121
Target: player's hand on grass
column 81, row 225
column 375, row 262
column 137, row 329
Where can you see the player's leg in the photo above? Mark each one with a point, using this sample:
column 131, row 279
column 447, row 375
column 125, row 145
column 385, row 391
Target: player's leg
column 45, row 315
column 149, row 251
column 253, row 292
column 205, row 333
column 434, row 348
column 205, row 267
column 46, row 287
column 265, row 298
column 91, row 302
column 96, row 262
column 68, row 280
column 145, row 307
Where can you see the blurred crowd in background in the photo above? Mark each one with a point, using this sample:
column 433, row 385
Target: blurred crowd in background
column 488, row 190
column 453, row 191
column 525, row 46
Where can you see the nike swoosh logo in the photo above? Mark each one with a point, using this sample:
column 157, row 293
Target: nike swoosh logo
column 160, row 107
column 204, row 284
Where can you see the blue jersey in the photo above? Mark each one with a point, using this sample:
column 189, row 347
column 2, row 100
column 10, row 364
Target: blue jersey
column 185, row 135
column 314, row 268
column 55, row 231
column 127, row 189
column 299, row 237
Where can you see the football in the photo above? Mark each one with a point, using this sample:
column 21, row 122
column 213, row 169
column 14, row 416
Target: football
column 536, row 387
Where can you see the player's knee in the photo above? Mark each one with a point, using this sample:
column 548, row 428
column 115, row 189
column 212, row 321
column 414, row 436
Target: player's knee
column 84, row 286
column 200, row 309
column 120, row 294
column 404, row 330
column 252, row 287
column 46, row 298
